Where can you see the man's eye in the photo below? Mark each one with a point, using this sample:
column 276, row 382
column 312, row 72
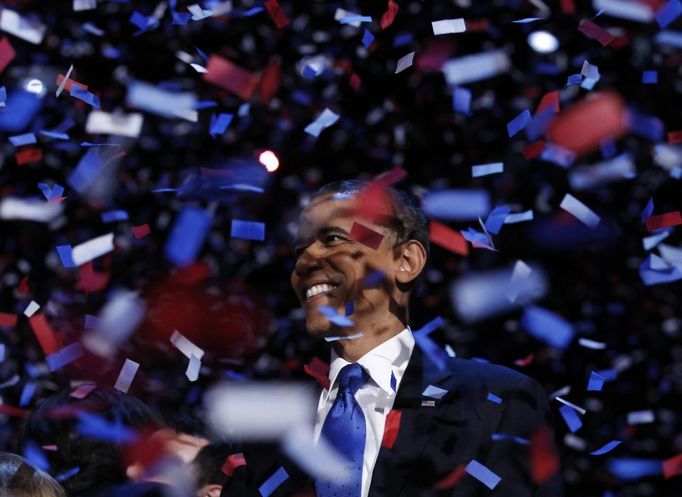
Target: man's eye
column 332, row 238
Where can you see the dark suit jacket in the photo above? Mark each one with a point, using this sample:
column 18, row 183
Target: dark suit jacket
column 433, row 442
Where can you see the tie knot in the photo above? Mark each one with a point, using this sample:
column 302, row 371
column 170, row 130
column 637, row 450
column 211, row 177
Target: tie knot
column 351, row 378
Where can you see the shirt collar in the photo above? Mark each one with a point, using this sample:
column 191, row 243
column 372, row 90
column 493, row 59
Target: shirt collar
column 386, row 359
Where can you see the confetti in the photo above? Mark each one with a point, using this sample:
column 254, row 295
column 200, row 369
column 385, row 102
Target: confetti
column 434, row 392
column 227, row 75
column 448, row 26
column 667, row 13
column 447, row 238
column 487, row 169
column 31, row 31
column 273, row 481
column 571, row 418
column 494, row 398
column 92, row 249
column 482, row 474
column 518, row 123
column 247, row 230
column 606, row 448
column 457, row 205
column 575, row 207
column 640, row 417
column 404, row 62
column 663, row 221
column 187, row 236
column 333, row 316
column 64, row 356
column 470, row 68
column 326, row 119
column 590, row 29
column 126, row 376
column 595, row 383
column 547, row 327
column 118, row 124
column 366, row 236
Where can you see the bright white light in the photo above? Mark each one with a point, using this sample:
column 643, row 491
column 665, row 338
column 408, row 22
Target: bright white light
column 269, row 160
column 543, row 42
column 34, row 86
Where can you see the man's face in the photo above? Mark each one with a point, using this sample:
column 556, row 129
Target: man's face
column 331, row 266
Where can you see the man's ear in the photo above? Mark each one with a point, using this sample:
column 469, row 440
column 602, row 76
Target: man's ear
column 411, row 261
column 210, row 490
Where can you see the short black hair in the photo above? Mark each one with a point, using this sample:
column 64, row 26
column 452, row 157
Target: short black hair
column 208, row 463
column 100, row 462
column 407, row 221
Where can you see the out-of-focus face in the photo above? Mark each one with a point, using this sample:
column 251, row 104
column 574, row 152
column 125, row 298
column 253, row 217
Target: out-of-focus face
column 185, row 447
column 331, row 267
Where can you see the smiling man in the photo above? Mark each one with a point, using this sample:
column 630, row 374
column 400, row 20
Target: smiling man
column 407, row 422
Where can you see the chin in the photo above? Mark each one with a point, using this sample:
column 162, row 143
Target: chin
column 318, row 327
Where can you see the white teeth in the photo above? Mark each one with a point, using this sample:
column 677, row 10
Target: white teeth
column 317, row 289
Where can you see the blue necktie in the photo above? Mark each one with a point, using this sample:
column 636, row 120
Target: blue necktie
column 345, row 430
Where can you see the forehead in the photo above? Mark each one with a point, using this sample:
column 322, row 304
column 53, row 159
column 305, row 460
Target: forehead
column 329, row 207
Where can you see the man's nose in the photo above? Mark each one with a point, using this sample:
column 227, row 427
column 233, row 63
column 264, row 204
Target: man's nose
column 309, row 260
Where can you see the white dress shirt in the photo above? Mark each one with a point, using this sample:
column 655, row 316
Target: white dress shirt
column 382, row 363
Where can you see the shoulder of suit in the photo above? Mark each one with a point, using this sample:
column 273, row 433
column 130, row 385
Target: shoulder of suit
column 494, row 376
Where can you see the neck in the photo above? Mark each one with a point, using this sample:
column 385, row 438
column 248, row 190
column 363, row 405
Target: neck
column 352, row 350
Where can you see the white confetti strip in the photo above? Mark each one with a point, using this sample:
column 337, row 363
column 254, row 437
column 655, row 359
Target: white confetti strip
column 92, row 249
column 61, row 86
column 404, row 62
column 322, row 122
column 193, row 368
column 126, row 376
column 486, row 169
column 469, row 68
column 185, row 346
column 100, row 122
column 447, row 26
column 31, row 308
column 31, row 31
column 575, row 207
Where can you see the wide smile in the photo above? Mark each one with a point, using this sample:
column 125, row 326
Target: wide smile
column 317, row 292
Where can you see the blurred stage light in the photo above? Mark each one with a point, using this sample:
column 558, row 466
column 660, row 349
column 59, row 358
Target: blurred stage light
column 543, row 42
column 35, row 86
column 269, row 160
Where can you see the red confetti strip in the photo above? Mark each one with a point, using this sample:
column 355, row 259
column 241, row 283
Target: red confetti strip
column 672, row 467
column 392, row 176
column 320, row 371
column 366, row 236
column 544, row 462
column 388, row 16
column 233, row 462
column 51, row 448
column 449, row 239
column 664, row 221
column 17, row 412
column 47, row 338
column 140, row 231
column 584, row 126
column 477, row 25
column 525, row 361
column 391, row 429
column 675, row 136
column 23, row 285
column 270, row 80
column 8, row 319
column 90, row 280
column 7, row 53
column 223, row 73
column 532, row 150
column 568, row 6
column 82, row 391
column 452, row 478
column 355, row 82
column 69, row 83
column 277, row 13
column 28, row 154
column 590, row 29
column 550, row 99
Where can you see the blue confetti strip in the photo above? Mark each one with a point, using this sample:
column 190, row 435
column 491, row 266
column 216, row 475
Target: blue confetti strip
column 547, row 327
column 649, row 77
column 633, row 469
column 670, row 11
column 219, row 123
column 518, row 123
column 331, row 314
column 571, row 418
column 35, row 455
column 493, row 224
column 461, row 100
column 64, row 356
column 84, row 95
column 595, row 383
column 27, row 394
column 606, row 448
column 55, row 192
column 275, row 480
column 187, row 236
column 65, row 475
column 89, row 168
column 394, row 382
column 25, row 139
column 648, row 210
column 497, row 437
column 113, row 216
column 494, row 398
column 349, row 308
column 97, row 427
column 248, row 230
column 482, row 474
column 367, row 38
column 66, row 255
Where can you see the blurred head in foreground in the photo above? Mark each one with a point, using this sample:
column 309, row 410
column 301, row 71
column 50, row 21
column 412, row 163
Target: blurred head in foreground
column 19, row 479
column 360, row 248
column 207, row 469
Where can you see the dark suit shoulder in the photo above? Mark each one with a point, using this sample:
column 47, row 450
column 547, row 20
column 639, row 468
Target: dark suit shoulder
column 483, row 374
